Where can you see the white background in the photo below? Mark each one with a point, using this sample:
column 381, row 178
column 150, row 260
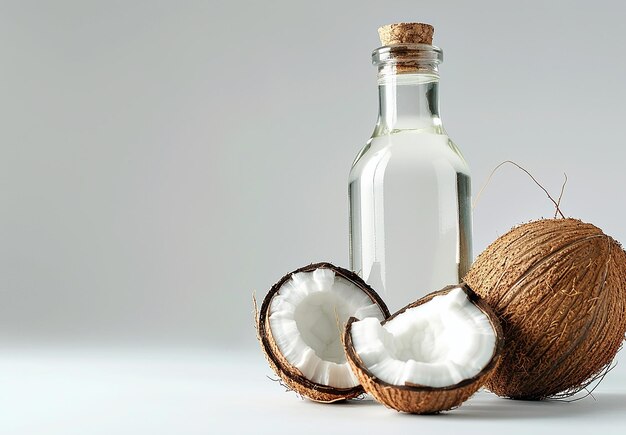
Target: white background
column 160, row 161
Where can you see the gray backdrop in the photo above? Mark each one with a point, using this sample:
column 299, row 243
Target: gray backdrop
column 160, row 161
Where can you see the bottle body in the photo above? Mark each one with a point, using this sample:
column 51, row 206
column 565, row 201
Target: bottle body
column 409, row 196
column 410, row 215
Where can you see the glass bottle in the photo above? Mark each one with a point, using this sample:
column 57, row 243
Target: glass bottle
column 409, row 187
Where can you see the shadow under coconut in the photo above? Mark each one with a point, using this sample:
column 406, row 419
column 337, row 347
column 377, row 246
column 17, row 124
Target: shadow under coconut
column 485, row 405
column 488, row 406
column 358, row 402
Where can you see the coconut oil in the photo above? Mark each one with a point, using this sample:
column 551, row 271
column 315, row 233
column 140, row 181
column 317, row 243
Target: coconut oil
column 409, row 187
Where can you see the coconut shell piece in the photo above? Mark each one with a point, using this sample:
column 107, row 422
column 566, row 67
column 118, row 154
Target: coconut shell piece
column 559, row 289
column 419, row 399
column 290, row 375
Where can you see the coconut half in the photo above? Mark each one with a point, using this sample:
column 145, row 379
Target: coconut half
column 428, row 357
column 300, row 325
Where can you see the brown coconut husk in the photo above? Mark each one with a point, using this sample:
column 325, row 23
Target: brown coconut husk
column 559, row 289
column 420, row 399
column 290, row 375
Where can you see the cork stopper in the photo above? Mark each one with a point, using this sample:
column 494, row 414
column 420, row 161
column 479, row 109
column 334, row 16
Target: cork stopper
column 406, row 33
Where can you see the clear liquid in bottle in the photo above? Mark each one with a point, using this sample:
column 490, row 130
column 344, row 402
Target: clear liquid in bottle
column 409, row 187
column 410, row 221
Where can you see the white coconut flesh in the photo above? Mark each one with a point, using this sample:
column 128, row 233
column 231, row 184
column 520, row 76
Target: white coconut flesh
column 437, row 344
column 307, row 317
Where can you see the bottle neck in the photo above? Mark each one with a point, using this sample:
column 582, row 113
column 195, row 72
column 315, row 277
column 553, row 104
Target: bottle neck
column 408, row 88
column 408, row 102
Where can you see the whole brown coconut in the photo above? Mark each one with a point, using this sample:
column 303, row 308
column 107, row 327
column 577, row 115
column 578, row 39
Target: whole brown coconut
column 559, row 288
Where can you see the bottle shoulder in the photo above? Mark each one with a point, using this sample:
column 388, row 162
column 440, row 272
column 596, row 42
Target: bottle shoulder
column 409, row 150
column 455, row 149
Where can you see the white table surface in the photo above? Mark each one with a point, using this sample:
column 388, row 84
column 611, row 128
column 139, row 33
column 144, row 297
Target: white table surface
column 175, row 391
